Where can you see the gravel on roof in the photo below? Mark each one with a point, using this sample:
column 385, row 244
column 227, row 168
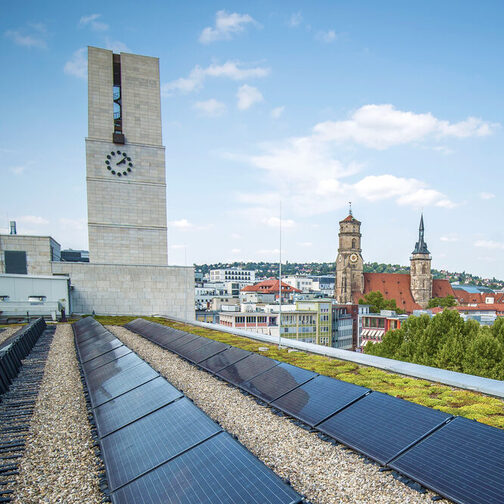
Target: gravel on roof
column 8, row 332
column 59, row 464
column 323, row 472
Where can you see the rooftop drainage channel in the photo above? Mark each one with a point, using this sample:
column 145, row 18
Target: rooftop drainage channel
column 16, row 409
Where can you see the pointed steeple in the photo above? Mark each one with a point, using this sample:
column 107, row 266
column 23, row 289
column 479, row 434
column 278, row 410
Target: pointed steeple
column 421, row 246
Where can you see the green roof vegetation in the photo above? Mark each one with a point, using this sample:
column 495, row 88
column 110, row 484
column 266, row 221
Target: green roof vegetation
column 447, row 342
column 473, row 405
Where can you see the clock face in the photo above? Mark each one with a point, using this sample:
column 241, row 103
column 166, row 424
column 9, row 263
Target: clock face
column 353, row 258
column 118, row 163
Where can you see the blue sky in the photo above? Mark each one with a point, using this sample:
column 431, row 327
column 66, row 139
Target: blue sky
column 396, row 106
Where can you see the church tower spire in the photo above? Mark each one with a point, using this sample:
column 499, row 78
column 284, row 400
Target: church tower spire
column 421, row 246
column 420, row 270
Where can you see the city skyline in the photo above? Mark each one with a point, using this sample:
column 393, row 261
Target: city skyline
column 396, row 109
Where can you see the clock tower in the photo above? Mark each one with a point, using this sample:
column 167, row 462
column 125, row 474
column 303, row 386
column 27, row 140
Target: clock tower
column 125, row 160
column 349, row 263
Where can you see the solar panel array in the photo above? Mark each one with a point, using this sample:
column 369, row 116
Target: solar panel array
column 15, row 348
column 458, row 458
column 157, row 446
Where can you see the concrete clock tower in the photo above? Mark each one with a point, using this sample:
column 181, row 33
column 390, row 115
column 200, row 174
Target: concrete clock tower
column 349, row 263
column 125, row 160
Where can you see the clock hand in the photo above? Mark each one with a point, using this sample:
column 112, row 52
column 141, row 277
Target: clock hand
column 123, row 160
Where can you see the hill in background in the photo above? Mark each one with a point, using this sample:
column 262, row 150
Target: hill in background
column 269, row 269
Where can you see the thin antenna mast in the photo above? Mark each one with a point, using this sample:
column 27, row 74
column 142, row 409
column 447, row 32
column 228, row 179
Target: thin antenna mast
column 280, row 283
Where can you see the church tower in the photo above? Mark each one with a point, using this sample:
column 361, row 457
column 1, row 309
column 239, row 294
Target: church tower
column 420, row 270
column 349, row 263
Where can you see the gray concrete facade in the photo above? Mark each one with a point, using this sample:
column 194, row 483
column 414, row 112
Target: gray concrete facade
column 127, row 213
column 40, row 251
column 112, row 289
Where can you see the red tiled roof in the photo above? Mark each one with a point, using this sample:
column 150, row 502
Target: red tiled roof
column 442, row 288
column 392, row 286
column 270, row 286
column 397, row 286
column 349, row 218
column 498, row 307
column 466, row 298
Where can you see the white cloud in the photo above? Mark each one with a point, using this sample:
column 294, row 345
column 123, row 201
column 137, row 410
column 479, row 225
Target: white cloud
column 275, row 222
column 93, row 23
column 307, row 173
column 181, row 224
column 75, row 224
column 17, row 170
column 383, row 126
column 269, row 252
column 233, row 70
column 77, row 64
column 24, row 39
column 450, row 238
column 32, row 219
column 226, row 25
column 486, row 195
column 247, row 96
column 235, row 251
column 211, row 107
column 277, row 112
column 489, row 244
column 405, row 191
column 116, row 45
column 326, row 36
column 295, row 19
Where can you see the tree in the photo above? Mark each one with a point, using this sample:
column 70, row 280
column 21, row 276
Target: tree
column 445, row 325
column 484, row 357
column 377, row 302
column 443, row 302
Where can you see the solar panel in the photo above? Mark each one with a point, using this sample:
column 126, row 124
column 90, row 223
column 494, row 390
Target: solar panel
column 380, row 426
column 154, row 439
column 134, row 404
column 277, row 381
column 318, row 399
column 101, row 337
column 162, row 335
column 175, row 345
column 120, row 383
column 463, row 461
column 224, row 359
column 204, row 352
column 91, row 351
column 97, row 376
column 195, row 344
column 105, row 358
column 89, row 333
column 246, row 369
column 218, row 471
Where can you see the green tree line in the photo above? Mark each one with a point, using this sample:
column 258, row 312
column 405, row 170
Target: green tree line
column 446, row 341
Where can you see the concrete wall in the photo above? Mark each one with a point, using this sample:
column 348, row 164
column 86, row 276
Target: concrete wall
column 19, row 288
column 38, row 252
column 126, row 214
column 111, row 289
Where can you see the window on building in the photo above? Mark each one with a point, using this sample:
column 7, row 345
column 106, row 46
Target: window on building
column 36, row 299
column 15, row 262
